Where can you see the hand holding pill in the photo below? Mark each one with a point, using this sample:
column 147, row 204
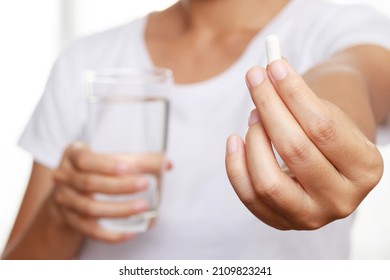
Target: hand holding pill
column 332, row 162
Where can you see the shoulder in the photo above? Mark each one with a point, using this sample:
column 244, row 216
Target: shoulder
column 318, row 29
column 320, row 10
column 103, row 48
column 322, row 14
column 100, row 50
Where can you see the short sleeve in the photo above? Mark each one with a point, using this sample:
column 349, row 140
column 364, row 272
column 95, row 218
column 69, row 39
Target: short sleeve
column 60, row 116
column 57, row 119
column 349, row 26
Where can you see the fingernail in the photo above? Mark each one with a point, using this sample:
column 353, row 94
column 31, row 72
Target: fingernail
column 78, row 145
column 140, row 183
column 139, row 206
column 254, row 77
column 278, row 69
column 122, row 167
column 232, row 144
column 168, row 165
column 127, row 236
column 253, row 118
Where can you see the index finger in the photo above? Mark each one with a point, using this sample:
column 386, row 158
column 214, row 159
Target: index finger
column 82, row 158
column 288, row 137
column 144, row 162
column 328, row 127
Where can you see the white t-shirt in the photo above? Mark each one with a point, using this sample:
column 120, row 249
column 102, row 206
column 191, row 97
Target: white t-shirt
column 200, row 216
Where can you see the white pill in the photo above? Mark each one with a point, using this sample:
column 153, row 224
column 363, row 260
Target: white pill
column 273, row 48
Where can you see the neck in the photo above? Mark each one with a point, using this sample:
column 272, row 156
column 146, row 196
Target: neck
column 209, row 34
column 219, row 16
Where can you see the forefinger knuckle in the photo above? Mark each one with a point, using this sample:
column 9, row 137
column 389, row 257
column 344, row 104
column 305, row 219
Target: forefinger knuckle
column 296, row 151
column 269, row 189
column 323, row 130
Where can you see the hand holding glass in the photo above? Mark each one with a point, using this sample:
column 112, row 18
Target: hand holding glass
column 128, row 116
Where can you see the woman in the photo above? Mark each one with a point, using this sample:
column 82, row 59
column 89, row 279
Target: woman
column 320, row 117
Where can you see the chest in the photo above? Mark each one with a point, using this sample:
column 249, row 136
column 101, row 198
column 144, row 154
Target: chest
column 195, row 59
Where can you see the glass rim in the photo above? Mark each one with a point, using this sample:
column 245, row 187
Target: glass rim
column 129, row 75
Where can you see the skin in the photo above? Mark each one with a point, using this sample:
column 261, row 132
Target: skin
column 323, row 127
column 330, row 153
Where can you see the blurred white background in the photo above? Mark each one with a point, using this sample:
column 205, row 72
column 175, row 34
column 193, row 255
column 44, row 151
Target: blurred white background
column 34, row 32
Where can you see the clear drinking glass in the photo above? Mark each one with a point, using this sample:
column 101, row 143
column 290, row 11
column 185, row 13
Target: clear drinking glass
column 128, row 116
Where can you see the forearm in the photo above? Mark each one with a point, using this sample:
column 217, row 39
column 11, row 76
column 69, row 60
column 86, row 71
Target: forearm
column 372, row 63
column 45, row 238
column 347, row 88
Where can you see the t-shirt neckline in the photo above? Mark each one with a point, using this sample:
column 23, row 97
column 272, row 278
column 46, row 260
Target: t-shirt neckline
column 237, row 69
